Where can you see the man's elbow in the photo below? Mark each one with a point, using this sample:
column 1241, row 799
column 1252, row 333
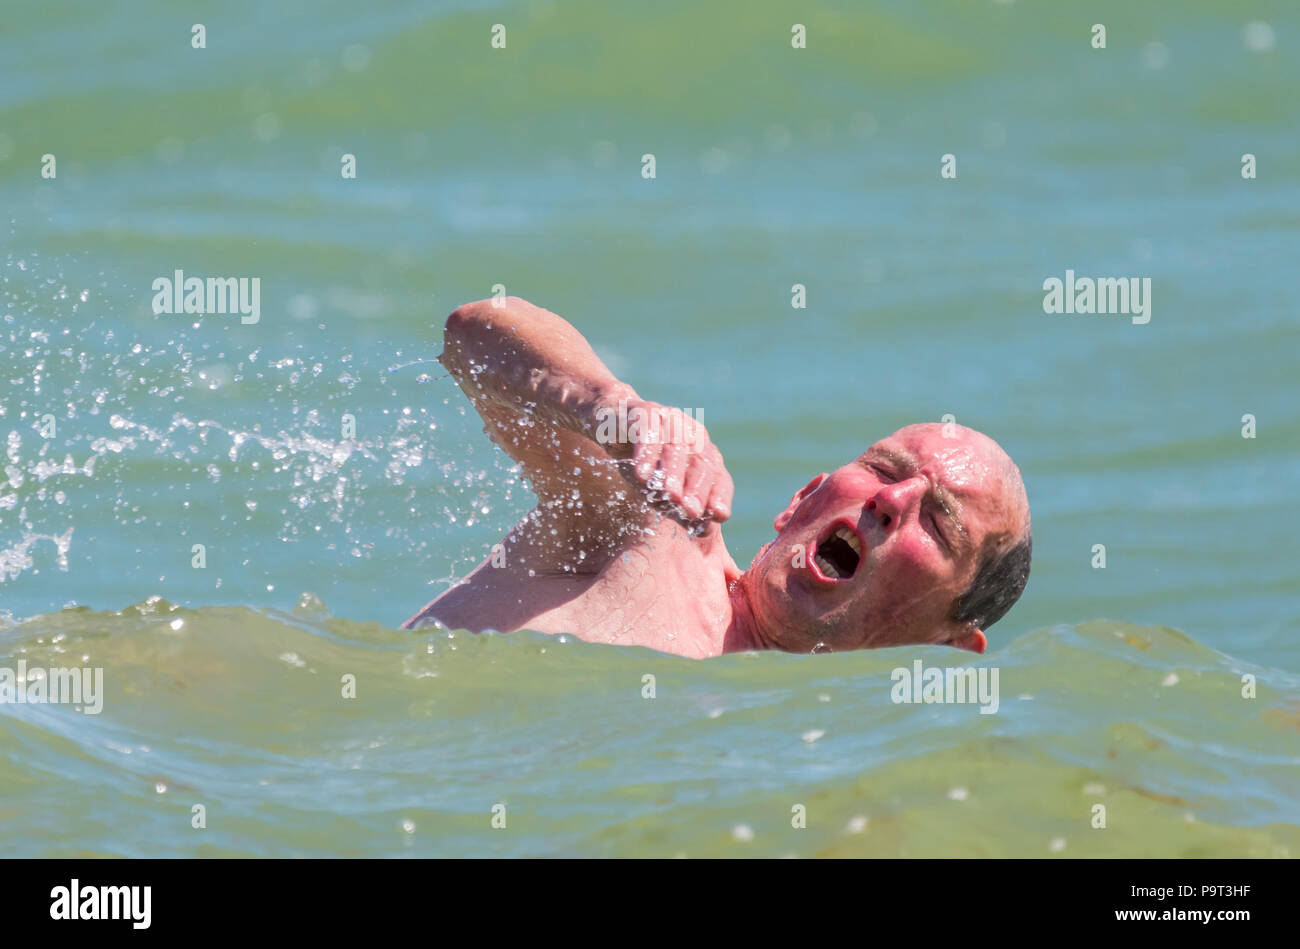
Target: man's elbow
column 481, row 314
column 466, row 324
column 473, row 327
column 463, row 320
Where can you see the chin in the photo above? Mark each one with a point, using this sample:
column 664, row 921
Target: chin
column 797, row 645
column 799, row 633
column 811, row 644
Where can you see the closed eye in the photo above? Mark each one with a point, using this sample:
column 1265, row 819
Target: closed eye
column 884, row 474
column 938, row 531
column 941, row 525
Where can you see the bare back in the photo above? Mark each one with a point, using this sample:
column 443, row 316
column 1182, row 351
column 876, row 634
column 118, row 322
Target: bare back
column 664, row 588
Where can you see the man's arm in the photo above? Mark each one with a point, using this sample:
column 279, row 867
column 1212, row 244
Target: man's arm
column 547, row 400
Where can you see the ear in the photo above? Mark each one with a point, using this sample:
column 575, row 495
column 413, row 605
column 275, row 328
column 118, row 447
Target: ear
column 972, row 639
column 783, row 518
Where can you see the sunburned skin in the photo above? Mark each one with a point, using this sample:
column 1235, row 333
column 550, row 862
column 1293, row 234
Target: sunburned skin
column 625, row 546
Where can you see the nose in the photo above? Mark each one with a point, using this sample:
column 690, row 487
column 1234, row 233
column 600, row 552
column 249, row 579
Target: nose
column 893, row 501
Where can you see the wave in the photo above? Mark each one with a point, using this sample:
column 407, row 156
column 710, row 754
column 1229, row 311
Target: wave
column 600, row 750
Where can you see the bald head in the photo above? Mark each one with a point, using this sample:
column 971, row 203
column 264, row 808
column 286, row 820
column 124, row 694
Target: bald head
column 971, row 456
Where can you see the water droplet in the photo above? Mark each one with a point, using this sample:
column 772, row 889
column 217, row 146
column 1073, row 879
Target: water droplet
column 1258, row 36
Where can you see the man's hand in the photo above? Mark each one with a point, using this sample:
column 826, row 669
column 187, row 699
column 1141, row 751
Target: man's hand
column 669, row 456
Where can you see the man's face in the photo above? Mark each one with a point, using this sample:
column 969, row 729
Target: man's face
column 876, row 553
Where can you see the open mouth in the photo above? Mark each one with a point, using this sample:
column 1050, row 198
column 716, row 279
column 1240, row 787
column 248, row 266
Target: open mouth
column 837, row 556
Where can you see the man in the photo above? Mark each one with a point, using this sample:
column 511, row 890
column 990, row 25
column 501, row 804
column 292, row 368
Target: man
column 923, row 539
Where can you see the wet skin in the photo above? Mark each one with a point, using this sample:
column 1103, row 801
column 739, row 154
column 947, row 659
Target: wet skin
column 625, row 545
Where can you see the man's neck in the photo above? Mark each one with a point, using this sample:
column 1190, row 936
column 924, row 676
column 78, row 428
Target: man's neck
column 742, row 633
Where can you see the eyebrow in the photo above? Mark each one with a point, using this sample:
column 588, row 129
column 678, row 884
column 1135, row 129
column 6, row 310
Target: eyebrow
column 944, row 498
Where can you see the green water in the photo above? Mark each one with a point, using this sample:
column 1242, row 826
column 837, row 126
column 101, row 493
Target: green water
column 1120, row 686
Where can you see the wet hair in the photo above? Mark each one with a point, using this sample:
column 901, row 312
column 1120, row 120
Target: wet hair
column 999, row 581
